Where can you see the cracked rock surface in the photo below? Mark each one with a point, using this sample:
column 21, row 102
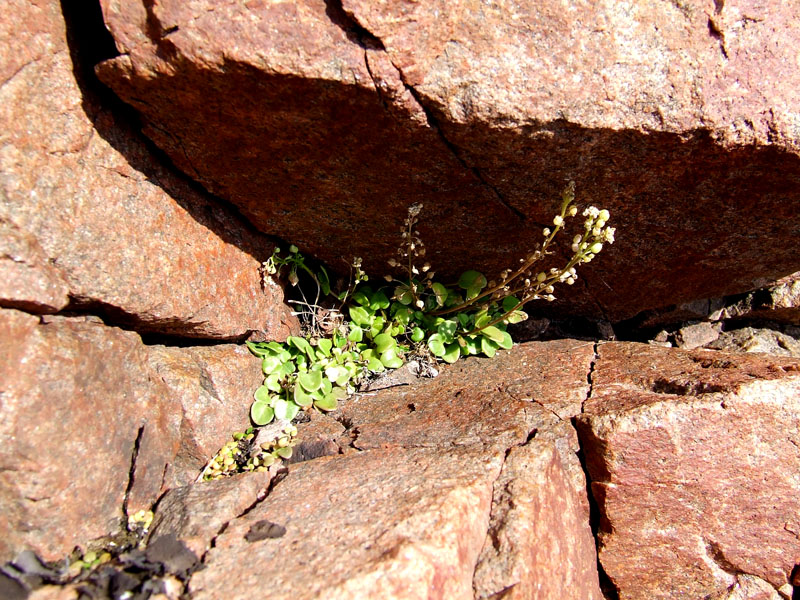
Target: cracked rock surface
column 91, row 219
column 448, row 488
column 694, row 460
column 327, row 119
column 94, row 422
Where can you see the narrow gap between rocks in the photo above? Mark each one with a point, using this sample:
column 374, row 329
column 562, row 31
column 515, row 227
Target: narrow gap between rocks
column 610, row 591
column 132, row 471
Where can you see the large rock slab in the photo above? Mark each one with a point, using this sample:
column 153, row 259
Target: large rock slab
column 328, row 119
column 91, row 220
column 96, row 423
column 421, row 504
column 693, row 459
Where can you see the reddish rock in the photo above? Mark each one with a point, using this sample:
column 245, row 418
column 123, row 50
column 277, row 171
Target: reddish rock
column 779, row 302
column 83, row 404
column 77, row 408
column 539, row 543
column 329, row 121
column 94, row 216
column 386, row 523
column 693, row 458
column 212, row 387
column 767, row 341
column 196, row 514
column 446, row 473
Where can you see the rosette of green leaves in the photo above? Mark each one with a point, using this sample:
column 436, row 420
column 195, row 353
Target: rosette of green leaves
column 299, row 375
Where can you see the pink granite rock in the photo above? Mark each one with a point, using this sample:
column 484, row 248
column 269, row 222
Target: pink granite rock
column 693, row 458
column 95, row 219
column 94, row 422
column 328, row 120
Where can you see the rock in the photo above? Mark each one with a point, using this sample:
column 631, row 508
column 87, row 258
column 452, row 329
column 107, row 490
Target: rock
column 749, row 339
column 779, row 302
column 696, row 335
column 196, row 513
column 409, row 510
column 538, row 544
column 212, row 387
column 95, row 422
column 378, row 524
column 329, row 120
column 693, row 459
column 94, row 219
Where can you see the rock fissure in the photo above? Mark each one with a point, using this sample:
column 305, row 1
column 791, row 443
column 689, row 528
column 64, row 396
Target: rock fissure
column 132, row 471
column 433, row 123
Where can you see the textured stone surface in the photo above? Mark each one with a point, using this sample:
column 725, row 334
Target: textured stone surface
column 693, row 458
column 93, row 215
column 327, row 121
column 378, row 524
column 437, row 473
column 196, row 514
column 749, row 339
column 780, row 302
column 84, row 404
column 539, row 545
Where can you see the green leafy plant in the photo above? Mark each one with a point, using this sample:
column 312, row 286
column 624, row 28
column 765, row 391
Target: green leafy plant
column 354, row 331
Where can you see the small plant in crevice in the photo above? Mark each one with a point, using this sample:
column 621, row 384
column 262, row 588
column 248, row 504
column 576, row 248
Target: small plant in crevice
column 356, row 330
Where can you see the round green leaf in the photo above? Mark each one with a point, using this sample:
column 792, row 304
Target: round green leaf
column 493, row 333
column 270, row 364
column 328, row 402
column 285, row 409
column 417, row 334
column 440, row 292
column 302, row 398
column 356, row 334
column 273, row 382
column 383, row 342
column 311, row 381
column 359, row 316
column 324, row 345
column 471, row 280
column 262, row 394
column 379, row 301
column 436, row 345
column 302, row 345
column 517, row 316
column 510, row 303
column 488, row 347
column 447, row 329
column 506, row 342
column 261, row 413
column 285, row 452
column 452, row 352
column 390, row 359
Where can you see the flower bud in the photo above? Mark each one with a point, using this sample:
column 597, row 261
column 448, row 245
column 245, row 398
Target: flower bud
column 558, row 220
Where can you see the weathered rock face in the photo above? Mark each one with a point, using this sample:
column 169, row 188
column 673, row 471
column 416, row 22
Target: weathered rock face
column 421, row 505
column 693, row 458
column 95, row 422
column 89, row 219
column 329, row 120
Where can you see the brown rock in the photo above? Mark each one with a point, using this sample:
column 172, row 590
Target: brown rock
column 779, row 302
column 539, row 543
column 212, row 387
column 749, row 339
column 388, row 523
column 93, row 215
column 78, row 411
column 693, row 458
column 696, row 335
column 197, row 513
column 478, row 401
column 408, row 516
column 679, row 117
column 84, row 405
